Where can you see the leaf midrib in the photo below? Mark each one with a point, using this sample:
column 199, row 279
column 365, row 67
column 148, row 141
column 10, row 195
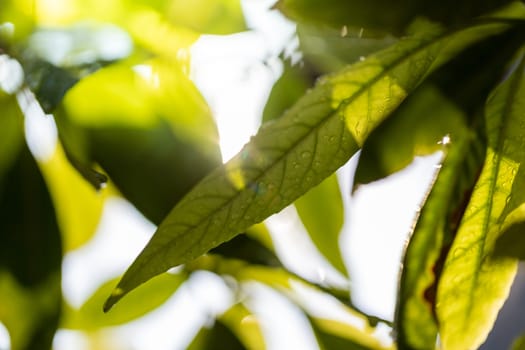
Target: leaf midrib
column 492, row 189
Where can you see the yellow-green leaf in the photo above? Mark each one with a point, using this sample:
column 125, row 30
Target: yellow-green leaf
column 245, row 326
column 296, row 152
column 474, row 285
column 90, row 317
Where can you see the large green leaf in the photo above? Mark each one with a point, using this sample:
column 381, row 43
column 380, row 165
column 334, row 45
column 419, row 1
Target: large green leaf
column 90, row 317
column 474, row 285
column 391, row 16
column 321, row 209
column 416, row 327
column 30, row 256
column 296, row 152
column 147, row 126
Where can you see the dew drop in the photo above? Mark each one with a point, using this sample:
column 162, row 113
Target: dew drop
column 306, row 154
column 362, row 58
column 332, row 139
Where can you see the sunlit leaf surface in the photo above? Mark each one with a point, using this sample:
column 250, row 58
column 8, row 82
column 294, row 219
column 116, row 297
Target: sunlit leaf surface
column 296, row 152
column 474, row 285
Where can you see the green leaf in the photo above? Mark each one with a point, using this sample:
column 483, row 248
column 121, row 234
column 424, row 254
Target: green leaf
column 216, row 337
column 384, row 14
column 90, row 317
column 474, row 285
column 245, row 326
column 147, row 126
column 208, row 16
column 322, row 213
column 30, row 256
column 296, row 152
column 247, row 247
column 78, row 219
column 416, row 327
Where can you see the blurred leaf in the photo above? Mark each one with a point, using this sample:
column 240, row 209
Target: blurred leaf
column 208, row 16
column 330, row 49
column 322, row 213
column 289, row 156
column 416, row 327
column 247, row 248
column 30, row 257
column 292, row 84
column 336, row 335
column 473, row 285
column 384, row 14
column 11, row 126
column 245, row 326
column 90, row 316
column 19, row 14
column 216, row 337
column 519, row 344
column 360, row 336
column 78, row 205
column 147, row 126
column 48, row 82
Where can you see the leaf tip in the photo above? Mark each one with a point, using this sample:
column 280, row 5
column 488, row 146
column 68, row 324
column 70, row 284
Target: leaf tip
column 115, row 296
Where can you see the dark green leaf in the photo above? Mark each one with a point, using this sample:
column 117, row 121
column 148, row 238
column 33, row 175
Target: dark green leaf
column 216, row 337
column 519, row 344
column 30, row 256
column 296, row 152
column 474, row 285
column 390, row 16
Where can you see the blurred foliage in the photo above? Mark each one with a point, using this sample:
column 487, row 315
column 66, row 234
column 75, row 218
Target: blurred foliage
column 394, row 80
